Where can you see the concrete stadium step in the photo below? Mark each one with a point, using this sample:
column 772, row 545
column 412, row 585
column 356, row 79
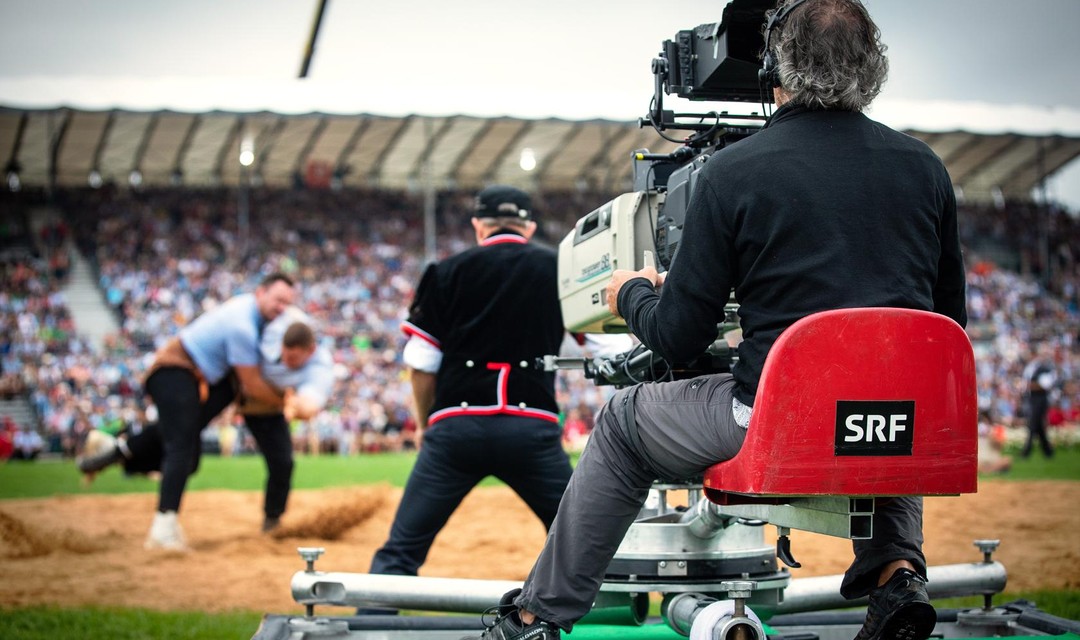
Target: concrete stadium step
column 92, row 315
column 19, row 410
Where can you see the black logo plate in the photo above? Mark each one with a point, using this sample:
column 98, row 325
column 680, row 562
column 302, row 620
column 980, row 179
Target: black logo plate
column 875, row 427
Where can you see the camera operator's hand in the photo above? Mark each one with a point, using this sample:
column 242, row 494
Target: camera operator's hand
column 621, row 276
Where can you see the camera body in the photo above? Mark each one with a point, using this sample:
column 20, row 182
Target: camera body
column 716, row 61
column 614, row 236
column 619, row 233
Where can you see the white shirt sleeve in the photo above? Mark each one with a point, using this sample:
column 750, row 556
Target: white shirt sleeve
column 606, row 345
column 422, row 355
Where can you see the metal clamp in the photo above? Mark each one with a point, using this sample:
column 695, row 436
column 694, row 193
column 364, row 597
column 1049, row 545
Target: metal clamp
column 310, row 555
column 988, row 547
column 738, row 591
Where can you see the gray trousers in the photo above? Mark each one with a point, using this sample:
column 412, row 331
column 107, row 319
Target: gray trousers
column 682, row 428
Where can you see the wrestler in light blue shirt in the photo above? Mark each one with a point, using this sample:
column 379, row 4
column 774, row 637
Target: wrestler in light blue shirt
column 225, row 337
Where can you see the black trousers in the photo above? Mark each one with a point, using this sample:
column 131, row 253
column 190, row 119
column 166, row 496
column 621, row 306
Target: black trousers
column 271, row 434
column 147, row 449
column 458, row 453
column 182, row 415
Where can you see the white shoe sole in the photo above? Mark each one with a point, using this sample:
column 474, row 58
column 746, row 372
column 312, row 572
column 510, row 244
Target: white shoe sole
column 97, row 442
column 157, row 545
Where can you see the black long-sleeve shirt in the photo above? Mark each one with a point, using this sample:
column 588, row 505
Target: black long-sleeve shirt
column 819, row 210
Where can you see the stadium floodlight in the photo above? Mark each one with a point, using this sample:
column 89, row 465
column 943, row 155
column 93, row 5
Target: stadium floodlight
column 94, row 179
column 998, row 197
column 528, row 159
column 135, row 178
column 247, row 151
column 13, row 182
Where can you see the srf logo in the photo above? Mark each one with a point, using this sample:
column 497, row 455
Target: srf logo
column 875, row 427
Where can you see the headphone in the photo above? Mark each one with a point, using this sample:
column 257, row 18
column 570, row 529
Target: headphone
column 769, row 74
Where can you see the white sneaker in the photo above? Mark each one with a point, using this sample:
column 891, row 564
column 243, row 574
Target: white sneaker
column 98, row 441
column 165, row 533
column 99, row 451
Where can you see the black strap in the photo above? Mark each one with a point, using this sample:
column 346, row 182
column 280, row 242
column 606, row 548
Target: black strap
column 630, row 423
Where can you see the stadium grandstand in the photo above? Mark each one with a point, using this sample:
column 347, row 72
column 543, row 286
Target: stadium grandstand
column 117, row 227
column 69, row 147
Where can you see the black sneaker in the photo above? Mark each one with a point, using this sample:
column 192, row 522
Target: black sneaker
column 507, row 624
column 899, row 610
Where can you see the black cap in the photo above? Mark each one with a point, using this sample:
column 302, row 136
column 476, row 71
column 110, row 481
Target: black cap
column 502, row 201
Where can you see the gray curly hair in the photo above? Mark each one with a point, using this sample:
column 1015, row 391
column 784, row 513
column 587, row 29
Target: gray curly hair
column 829, row 55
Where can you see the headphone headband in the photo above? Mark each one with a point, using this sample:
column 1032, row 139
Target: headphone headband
column 769, row 75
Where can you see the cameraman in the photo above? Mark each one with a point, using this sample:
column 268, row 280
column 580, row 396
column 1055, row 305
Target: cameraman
column 822, row 209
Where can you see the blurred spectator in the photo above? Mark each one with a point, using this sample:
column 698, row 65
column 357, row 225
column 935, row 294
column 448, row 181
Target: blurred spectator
column 992, row 459
column 575, row 431
column 7, row 438
column 28, row 444
column 1039, row 379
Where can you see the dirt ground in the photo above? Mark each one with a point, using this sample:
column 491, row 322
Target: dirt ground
column 87, row 550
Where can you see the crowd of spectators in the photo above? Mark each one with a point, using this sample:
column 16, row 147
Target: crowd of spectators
column 1011, row 318
column 1042, row 241
column 35, row 326
column 165, row 256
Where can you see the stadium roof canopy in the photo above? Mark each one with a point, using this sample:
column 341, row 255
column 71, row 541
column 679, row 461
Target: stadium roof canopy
column 65, row 147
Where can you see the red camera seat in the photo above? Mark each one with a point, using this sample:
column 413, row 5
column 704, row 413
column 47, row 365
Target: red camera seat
column 859, row 402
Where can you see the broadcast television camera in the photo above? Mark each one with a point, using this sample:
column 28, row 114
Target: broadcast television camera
column 712, row 62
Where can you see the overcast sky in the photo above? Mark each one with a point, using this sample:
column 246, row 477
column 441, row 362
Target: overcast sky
column 986, row 66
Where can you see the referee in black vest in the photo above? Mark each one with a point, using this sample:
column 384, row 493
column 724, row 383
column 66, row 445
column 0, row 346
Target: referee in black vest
column 477, row 323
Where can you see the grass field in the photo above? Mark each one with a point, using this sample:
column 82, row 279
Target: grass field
column 92, row 623
column 58, row 477
column 247, row 473
column 242, row 473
